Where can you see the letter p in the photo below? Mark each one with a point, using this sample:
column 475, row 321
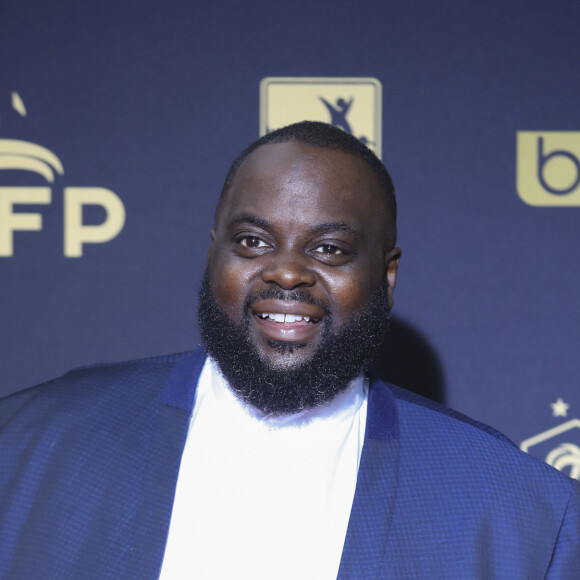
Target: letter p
column 76, row 234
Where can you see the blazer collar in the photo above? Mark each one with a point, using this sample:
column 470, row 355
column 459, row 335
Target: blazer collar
column 163, row 445
column 181, row 384
column 376, row 488
column 378, row 476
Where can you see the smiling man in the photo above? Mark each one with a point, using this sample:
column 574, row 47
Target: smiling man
column 273, row 452
column 294, row 304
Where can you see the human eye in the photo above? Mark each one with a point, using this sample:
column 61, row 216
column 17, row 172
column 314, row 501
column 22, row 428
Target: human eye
column 328, row 249
column 252, row 242
column 251, row 245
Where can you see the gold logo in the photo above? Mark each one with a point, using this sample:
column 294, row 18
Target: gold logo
column 548, row 167
column 565, row 457
column 353, row 104
column 18, row 155
column 555, row 445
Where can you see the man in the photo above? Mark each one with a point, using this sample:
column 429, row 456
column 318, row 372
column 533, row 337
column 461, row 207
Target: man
column 277, row 456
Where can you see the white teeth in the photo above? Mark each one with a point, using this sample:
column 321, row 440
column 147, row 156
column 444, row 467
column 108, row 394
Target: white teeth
column 284, row 317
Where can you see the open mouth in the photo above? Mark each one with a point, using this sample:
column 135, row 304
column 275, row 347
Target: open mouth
column 287, row 320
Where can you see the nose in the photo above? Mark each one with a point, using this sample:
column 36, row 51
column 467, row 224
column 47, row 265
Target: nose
column 288, row 271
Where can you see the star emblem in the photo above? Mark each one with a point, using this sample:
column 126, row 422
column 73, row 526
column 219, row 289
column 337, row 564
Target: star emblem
column 559, row 408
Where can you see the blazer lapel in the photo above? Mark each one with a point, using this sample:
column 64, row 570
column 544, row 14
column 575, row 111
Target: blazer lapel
column 376, row 488
column 169, row 433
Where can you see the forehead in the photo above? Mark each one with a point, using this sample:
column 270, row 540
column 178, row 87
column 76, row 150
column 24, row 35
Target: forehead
column 297, row 182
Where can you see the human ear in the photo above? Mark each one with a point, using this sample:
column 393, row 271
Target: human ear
column 212, row 236
column 392, row 259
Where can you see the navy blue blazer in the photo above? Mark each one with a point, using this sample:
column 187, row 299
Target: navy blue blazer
column 89, row 463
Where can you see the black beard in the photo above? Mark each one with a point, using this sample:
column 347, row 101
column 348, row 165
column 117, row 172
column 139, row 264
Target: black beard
column 342, row 355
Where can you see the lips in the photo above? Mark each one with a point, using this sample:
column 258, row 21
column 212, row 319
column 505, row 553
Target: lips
column 287, row 320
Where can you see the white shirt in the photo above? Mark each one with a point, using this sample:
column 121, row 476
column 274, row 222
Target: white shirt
column 264, row 497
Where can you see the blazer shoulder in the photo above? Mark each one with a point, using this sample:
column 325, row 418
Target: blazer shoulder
column 444, row 435
column 83, row 386
column 423, row 405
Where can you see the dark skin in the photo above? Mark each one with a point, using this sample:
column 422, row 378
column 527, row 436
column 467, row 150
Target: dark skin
column 304, row 218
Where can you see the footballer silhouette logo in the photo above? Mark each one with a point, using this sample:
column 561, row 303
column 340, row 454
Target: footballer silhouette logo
column 352, row 104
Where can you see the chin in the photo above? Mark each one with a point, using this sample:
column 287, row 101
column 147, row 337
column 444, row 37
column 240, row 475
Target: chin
column 284, row 354
column 287, row 376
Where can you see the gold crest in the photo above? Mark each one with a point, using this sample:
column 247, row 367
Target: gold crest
column 353, row 104
column 548, row 167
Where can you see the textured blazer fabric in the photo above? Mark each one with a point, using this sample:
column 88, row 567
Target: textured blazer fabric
column 89, row 464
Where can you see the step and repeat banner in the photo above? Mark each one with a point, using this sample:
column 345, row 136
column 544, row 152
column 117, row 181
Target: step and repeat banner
column 118, row 121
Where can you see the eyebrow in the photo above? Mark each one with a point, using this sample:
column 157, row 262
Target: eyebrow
column 252, row 219
column 329, row 227
column 324, row 228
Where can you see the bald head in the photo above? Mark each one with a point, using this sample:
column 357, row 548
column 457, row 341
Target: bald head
column 324, row 136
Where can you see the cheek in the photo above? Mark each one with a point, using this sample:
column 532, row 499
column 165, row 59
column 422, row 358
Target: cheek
column 229, row 285
column 350, row 291
column 348, row 296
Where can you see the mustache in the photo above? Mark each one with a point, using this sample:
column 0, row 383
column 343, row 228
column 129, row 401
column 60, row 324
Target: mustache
column 287, row 295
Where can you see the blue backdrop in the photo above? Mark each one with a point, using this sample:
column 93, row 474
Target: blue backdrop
column 151, row 101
